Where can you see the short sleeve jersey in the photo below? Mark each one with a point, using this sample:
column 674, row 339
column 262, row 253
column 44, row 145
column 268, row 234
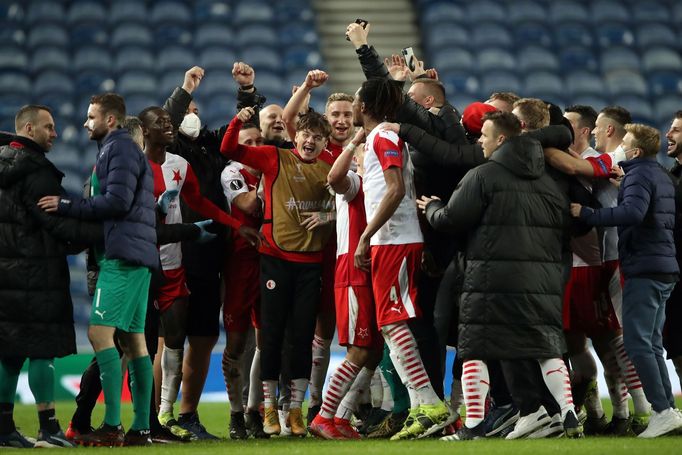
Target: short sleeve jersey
column 350, row 224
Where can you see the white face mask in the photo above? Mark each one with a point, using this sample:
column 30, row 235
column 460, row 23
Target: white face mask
column 191, row 125
column 619, row 155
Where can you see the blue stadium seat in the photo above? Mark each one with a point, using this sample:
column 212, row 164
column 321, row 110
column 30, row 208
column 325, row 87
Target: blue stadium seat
column 14, row 83
column 12, row 11
column 137, row 82
column 534, row 58
column 213, row 35
column 174, row 12
column 92, row 81
column 249, row 35
column 608, row 10
column 500, row 81
column 650, row 11
column 269, row 82
column 576, row 57
column 564, row 11
column 573, row 34
column 526, row 10
column 129, row 34
column 462, row 100
column 85, row 11
column 48, row 34
column 542, row 82
column 661, row 58
column 294, row 77
column 494, row 59
column 625, row 82
column 445, row 34
column 45, row 11
column 294, row 58
column 88, row 34
column 174, row 58
column 136, row 103
column 452, row 59
column 459, row 82
column 617, row 58
column 217, row 58
column 62, row 106
column 490, row 34
column 677, row 13
column 173, row 78
column 297, row 34
column 248, row 11
column 12, row 33
column 535, row 33
column 614, row 34
column 583, row 82
column 442, row 12
column 91, row 57
column 294, row 11
column 220, row 83
column 656, row 34
column 485, row 10
column 11, row 103
column 12, row 57
column 208, row 11
column 665, row 82
column 64, row 156
column 53, row 82
column 638, row 106
column 45, row 58
column 172, row 34
column 133, row 58
column 218, row 110
column 127, row 11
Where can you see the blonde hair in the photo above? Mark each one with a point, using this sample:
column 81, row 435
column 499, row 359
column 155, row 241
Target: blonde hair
column 338, row 97
column 645, row 138
column 533, row 111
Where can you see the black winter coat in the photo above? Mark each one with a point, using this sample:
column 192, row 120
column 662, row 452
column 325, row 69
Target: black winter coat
column 514, row 217
column 36, row 313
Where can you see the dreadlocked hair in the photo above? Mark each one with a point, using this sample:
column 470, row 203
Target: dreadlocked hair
column 382, row 98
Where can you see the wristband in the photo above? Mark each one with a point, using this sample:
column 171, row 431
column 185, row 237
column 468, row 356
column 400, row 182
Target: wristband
column 246, row 87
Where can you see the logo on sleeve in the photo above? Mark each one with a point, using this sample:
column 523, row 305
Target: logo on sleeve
column 391, row 154
column 236, row 185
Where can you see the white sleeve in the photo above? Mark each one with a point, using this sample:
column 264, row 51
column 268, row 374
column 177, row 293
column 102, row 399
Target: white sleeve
column 353, row 188
column 233, row 183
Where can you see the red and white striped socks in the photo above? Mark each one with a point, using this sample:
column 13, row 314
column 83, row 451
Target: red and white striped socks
column 298, row 387
column 270, row 393
column 618, row 392
column 631, row 377
column 555, row 374
column 350, row 402
column 476, row 384
column 318, row 371
column 339, row 384
column 404, row 352
column 233, row 381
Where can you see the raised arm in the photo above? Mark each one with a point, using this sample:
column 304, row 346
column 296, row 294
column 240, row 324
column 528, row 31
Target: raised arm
column 261, row 158
column 338, row 175
column 176, row 105
column 298, row 101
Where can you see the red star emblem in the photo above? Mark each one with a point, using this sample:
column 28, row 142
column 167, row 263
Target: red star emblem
column 177, row 178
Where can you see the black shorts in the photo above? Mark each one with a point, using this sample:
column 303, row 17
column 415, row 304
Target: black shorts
column 204, row 302
column 672, row 331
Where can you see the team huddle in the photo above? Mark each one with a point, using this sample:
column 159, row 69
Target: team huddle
column 391, row 219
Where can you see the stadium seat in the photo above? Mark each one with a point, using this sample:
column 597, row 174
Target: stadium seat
column 249, row 11
column 86, row 11
column 270, row 82
column 249, row 35
column 297, row 34
column 638, row 106
column 219, row 109
column 655, row 34
column 293, row 11
column 173, row 34
column 542, row 82
column 171, row 79
column 665, row 82
column 92, row 57
column 13, row 58
column 133, row 58
column 45, row 11
column 91, row 81
column 434, row 13
column 499, row 81
column 173, row 12
column 216, row 58
column 136, row 103
column 445, row 34
column 625, row 82
column 174, row 57
column 650, row 11
column 526, row 10
column 489, row 34
column 220, row 83
column 89, row 34
column 677, row 13
column 12, row 33
column 127, row 11
column 485, row 10
column 459, row 82
column 665, row 108
column 573, row 34
column 14, row 83
column 584, row 82
column 534, row 58
column 64, row 156
column 614, row 34
column 62, row 106
column 213, row 35
column 452, row 59
column 11, row 103
column 294, row 77
column 608, row 10
column 494, row 59
column 49, row 57
column 617, row 58
column 564, row 11
column 294, row 58
column 535, row 33
column 128, row 34
column 53, row 82
column 48, row 34
column 577, row 58
column 462, row 100
column 212, row 11
column 661, row 58
column 137, row 82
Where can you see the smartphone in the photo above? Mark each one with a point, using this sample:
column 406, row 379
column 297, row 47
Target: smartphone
column 410, row 61
column 362, row 22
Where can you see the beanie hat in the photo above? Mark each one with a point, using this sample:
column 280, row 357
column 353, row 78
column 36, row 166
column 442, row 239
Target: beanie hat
column 472, row 118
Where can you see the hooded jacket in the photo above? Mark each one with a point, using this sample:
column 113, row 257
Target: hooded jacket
column 36, row 313
column 513, row 217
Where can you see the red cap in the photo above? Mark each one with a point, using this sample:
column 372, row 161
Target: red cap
column 472, row 118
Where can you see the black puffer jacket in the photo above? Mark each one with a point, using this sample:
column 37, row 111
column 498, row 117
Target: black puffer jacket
column 36, row 314
column 514, row 217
